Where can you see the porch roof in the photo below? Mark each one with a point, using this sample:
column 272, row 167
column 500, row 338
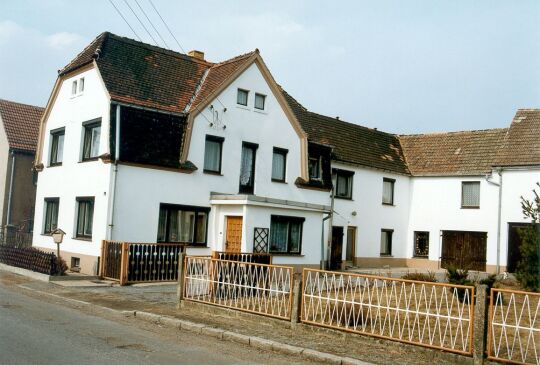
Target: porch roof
column 247, row 199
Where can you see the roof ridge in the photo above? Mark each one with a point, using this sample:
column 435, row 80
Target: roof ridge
column 352, row 124
column 453, row 132
column 25, row 104
column 68, row 67
column 236, row 58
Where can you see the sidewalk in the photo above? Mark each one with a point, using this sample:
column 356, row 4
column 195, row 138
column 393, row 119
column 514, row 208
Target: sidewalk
column 160, row 300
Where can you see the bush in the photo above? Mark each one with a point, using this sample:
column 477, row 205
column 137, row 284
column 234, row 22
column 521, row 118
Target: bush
column 459, row 277
column 60, row 266
column 420, row 276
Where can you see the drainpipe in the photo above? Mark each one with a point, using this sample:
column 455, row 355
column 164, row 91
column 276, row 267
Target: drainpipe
column 115, row 172
column 8, row 218
column 323, row 264
column 330, row 223
column 499, row 215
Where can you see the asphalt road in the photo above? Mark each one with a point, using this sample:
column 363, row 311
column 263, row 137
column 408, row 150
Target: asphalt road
column 40, row 330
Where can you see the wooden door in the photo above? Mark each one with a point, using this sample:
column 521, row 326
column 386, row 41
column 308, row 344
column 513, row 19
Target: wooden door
column 464, row 250
column 233, row 240
column 351, row 244
column 337, row 248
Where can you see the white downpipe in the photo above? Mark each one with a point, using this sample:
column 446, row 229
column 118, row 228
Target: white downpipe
column 114, row 173
column 499, row 216
column 8, row 220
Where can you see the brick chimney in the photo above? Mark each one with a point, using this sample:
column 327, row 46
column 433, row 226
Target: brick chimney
column 196, row 54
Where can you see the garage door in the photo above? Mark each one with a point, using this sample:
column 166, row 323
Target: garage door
column 464, row 250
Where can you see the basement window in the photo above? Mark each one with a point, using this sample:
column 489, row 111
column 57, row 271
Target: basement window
column 421, row 244
column 75, row 263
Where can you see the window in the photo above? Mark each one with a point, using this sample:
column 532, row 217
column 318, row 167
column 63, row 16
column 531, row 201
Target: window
column 242, row 97
column 85, row 217
column 315, row 168
column 212, row 154
column 75, row 262
column 81, row 85
column 388, row 191
column 57, row 147
column 259, row 101
column 51, row 215
column 74, row 87
column 470, row 194
column 279, row 164
column 344, row 181
column 386, row 242
column 92, row 132
column 286, row 234
column 180, row 223
column 247, row 168
column 421, row 244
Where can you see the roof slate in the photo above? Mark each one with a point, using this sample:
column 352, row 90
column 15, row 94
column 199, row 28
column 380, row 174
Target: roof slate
column 453, row 153
column 21, row 123
column 352, row 143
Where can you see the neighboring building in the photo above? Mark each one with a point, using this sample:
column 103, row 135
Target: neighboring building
column 161, row 146
column 19, row 126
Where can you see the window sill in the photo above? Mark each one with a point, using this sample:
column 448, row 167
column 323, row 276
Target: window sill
column 470, row 207
column 421, row 257
column 209, row 172
column 343, row 197
column 89, row 159
column 279, row 181
column 89, row 239
column 260, row 111
column 244, row 107
column 389, row 204
column 386, row 255
column 55, row 165
column 285, row 254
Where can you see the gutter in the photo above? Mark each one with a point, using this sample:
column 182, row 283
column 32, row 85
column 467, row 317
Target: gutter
column 10, row 194
column 114, row 173
column 499, row 215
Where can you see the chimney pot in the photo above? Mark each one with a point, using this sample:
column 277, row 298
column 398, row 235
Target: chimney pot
column 196, row 54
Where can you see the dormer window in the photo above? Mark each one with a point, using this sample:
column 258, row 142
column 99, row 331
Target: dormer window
column 315, row 172
column 260, row 101
column 242, row 97
column 77, row 87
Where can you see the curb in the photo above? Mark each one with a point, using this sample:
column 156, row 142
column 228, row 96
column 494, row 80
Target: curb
column 24, row 272
column 253, row 341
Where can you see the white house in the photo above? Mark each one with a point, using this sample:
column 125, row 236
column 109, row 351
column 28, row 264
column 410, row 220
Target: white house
column 143, row 144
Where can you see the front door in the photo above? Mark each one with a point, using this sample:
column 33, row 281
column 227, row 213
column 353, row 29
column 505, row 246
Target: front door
column 233, row 240
column 351, row 244
column 464, row 250
column 337, row 248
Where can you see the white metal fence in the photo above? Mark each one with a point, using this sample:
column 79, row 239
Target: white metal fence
column 258, row 288
column 514, row 326
column 433, row 315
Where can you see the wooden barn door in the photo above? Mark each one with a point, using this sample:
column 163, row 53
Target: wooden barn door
column 233, row 242
column 464, row 250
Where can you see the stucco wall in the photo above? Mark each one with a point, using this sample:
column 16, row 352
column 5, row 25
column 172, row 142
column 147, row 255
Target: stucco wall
column 4, row 155
column 75, row 178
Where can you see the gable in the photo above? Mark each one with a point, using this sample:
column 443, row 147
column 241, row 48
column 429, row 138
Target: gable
column 21, row 124
column 521, row 145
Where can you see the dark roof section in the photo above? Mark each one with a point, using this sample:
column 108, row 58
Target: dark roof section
column 21, row 123
column 452, row 153
column 521, row 146
column 141, row 74
column 352, row 143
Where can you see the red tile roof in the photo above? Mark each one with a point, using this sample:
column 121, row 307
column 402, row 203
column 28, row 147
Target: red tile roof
column 521, row 145
column 21, row 123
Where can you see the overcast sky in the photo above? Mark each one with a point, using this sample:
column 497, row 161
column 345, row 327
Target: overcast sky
column 402, row 66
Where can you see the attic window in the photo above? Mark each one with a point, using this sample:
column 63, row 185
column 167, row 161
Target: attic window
column 242, row 97
column 77, row 87
column 259, row 101
column 315, row 172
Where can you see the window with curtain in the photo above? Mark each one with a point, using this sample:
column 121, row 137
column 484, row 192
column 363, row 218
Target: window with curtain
column 259, row 101
column 92, row 133
column 247, row 168
column 279, row 164
column 388, row 191
column 386, row 242
column 315, row 172
column 242, row 97
column 57, row 147
column 51, row 215
column 344, row 181
column 286, row 234
column 85, row 217
column 212, row 154
column 470, row 194
column 183, row 224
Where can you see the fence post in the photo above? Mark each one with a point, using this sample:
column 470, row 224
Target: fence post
column 297, row 300
column 479, row 325
column 102, row 261
column 124, row 263
column 180, row 286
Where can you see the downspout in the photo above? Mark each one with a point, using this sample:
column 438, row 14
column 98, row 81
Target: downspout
column 499, row 216
column 322, row 265
column 330, row 224
column 115, row 172
column 8, row 218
